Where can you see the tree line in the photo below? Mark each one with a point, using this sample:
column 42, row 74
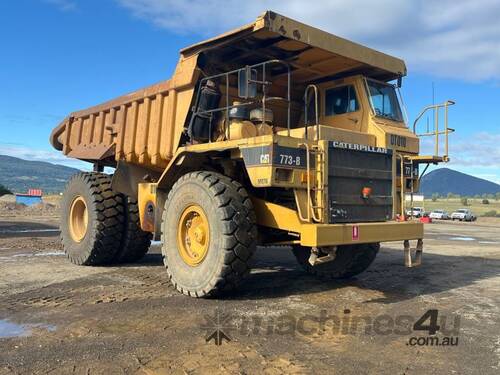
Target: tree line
column 485, row 197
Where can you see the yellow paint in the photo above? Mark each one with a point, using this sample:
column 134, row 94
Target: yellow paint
column 193, row 235
column 78, row 219
column 146, row 196
column 314, row 234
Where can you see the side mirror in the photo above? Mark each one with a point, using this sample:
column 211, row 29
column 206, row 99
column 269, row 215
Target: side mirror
column 247, row 88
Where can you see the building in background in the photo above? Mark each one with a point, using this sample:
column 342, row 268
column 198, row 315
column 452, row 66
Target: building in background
column 33, row 196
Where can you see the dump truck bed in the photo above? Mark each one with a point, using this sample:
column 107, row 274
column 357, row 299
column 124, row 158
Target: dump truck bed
column 145, row 127
column 139, row 127
column 133, row 127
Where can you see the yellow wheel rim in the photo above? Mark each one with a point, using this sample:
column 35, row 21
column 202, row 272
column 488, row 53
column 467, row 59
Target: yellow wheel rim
column 193, row 235
column 78, row 219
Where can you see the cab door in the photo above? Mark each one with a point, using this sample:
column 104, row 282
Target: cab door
column 341, row 107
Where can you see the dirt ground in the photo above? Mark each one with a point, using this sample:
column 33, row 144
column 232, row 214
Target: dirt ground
column 57, row 318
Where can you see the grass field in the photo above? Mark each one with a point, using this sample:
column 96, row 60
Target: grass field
column 452, row 204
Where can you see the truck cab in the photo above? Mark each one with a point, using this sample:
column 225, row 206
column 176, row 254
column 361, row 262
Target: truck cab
column 360, row 105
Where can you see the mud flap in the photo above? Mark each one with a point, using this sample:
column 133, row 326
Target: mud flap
column 416, row 260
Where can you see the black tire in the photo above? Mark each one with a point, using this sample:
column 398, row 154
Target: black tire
column 105, row 211
column 232, row 233
column 350, row 260
column 135, row 242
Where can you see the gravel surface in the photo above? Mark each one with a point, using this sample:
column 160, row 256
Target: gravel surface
column 57, row 318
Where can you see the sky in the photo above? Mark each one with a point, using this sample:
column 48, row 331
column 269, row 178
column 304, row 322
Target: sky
column 58, row 56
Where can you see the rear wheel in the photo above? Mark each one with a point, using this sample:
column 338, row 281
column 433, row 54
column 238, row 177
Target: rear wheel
column 92, row 219
column 208, row 234
column 350, row 260
column 135, row 242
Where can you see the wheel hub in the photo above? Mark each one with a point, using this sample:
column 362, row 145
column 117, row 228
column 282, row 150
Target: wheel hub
column 78, row 219
column 193, row 235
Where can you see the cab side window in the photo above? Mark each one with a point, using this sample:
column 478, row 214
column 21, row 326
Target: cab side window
column 339, row 100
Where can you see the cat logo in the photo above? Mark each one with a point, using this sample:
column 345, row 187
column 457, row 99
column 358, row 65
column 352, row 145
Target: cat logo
column 264, row 159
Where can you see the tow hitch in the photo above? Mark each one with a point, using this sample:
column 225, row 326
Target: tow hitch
column 416, row 259
column 323, row 255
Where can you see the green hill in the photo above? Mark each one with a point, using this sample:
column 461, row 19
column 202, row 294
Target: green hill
column 19, row 175
column 444, row 180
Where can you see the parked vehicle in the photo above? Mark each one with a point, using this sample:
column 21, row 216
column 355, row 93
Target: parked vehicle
column 463, row 214
column 415, row 212
column 439, row 214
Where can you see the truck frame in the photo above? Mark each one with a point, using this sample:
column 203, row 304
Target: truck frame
column 276, row 133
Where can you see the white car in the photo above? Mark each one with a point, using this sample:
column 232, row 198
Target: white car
column 416, row 212
column 439, row 214
column 463, row 214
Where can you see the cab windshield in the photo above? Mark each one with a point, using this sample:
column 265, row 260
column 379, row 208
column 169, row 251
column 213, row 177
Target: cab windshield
column 384, row 100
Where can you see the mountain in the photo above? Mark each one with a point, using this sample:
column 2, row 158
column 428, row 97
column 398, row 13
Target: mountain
column 444, row 180
column 19, row 175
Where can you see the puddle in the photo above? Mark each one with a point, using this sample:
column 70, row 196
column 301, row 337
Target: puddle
column 489, row 242
column 462, row 239
column 50, row 253
column 10, row 329
column 29, row 231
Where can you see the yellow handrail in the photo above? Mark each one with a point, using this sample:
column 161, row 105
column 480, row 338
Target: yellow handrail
column 436, row 133
column 310, row 207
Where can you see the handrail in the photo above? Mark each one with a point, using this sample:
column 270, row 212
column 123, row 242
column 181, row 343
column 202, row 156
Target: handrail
column 310, row 208
column 402, row 183
column 306, row 109
column 262, row 100
column 436, row 133
column 308, row 175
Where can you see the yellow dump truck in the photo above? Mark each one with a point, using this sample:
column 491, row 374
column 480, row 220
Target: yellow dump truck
column 276, row 133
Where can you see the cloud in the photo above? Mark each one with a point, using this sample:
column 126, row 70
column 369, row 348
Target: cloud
column 27, row 153
column 455, row 39
column 479, row 150
column 64, row 5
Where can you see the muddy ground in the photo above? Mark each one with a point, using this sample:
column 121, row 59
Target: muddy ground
column 57, row 318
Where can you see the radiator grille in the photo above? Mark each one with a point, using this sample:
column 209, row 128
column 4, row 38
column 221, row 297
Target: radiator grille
column 351, row 168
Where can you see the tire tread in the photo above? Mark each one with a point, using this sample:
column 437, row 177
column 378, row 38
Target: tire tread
column 239, row 231
column 108, row 226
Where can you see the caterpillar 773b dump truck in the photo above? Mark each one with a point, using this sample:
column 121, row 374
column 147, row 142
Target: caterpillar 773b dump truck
column 276, row 133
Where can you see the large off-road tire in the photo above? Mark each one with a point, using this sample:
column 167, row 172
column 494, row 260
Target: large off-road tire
column 135, row 242
column 92, row 219
column 208, row 234
column 350, row 260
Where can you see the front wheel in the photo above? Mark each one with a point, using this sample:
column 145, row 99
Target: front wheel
column 350, row 260
column 208, row 234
